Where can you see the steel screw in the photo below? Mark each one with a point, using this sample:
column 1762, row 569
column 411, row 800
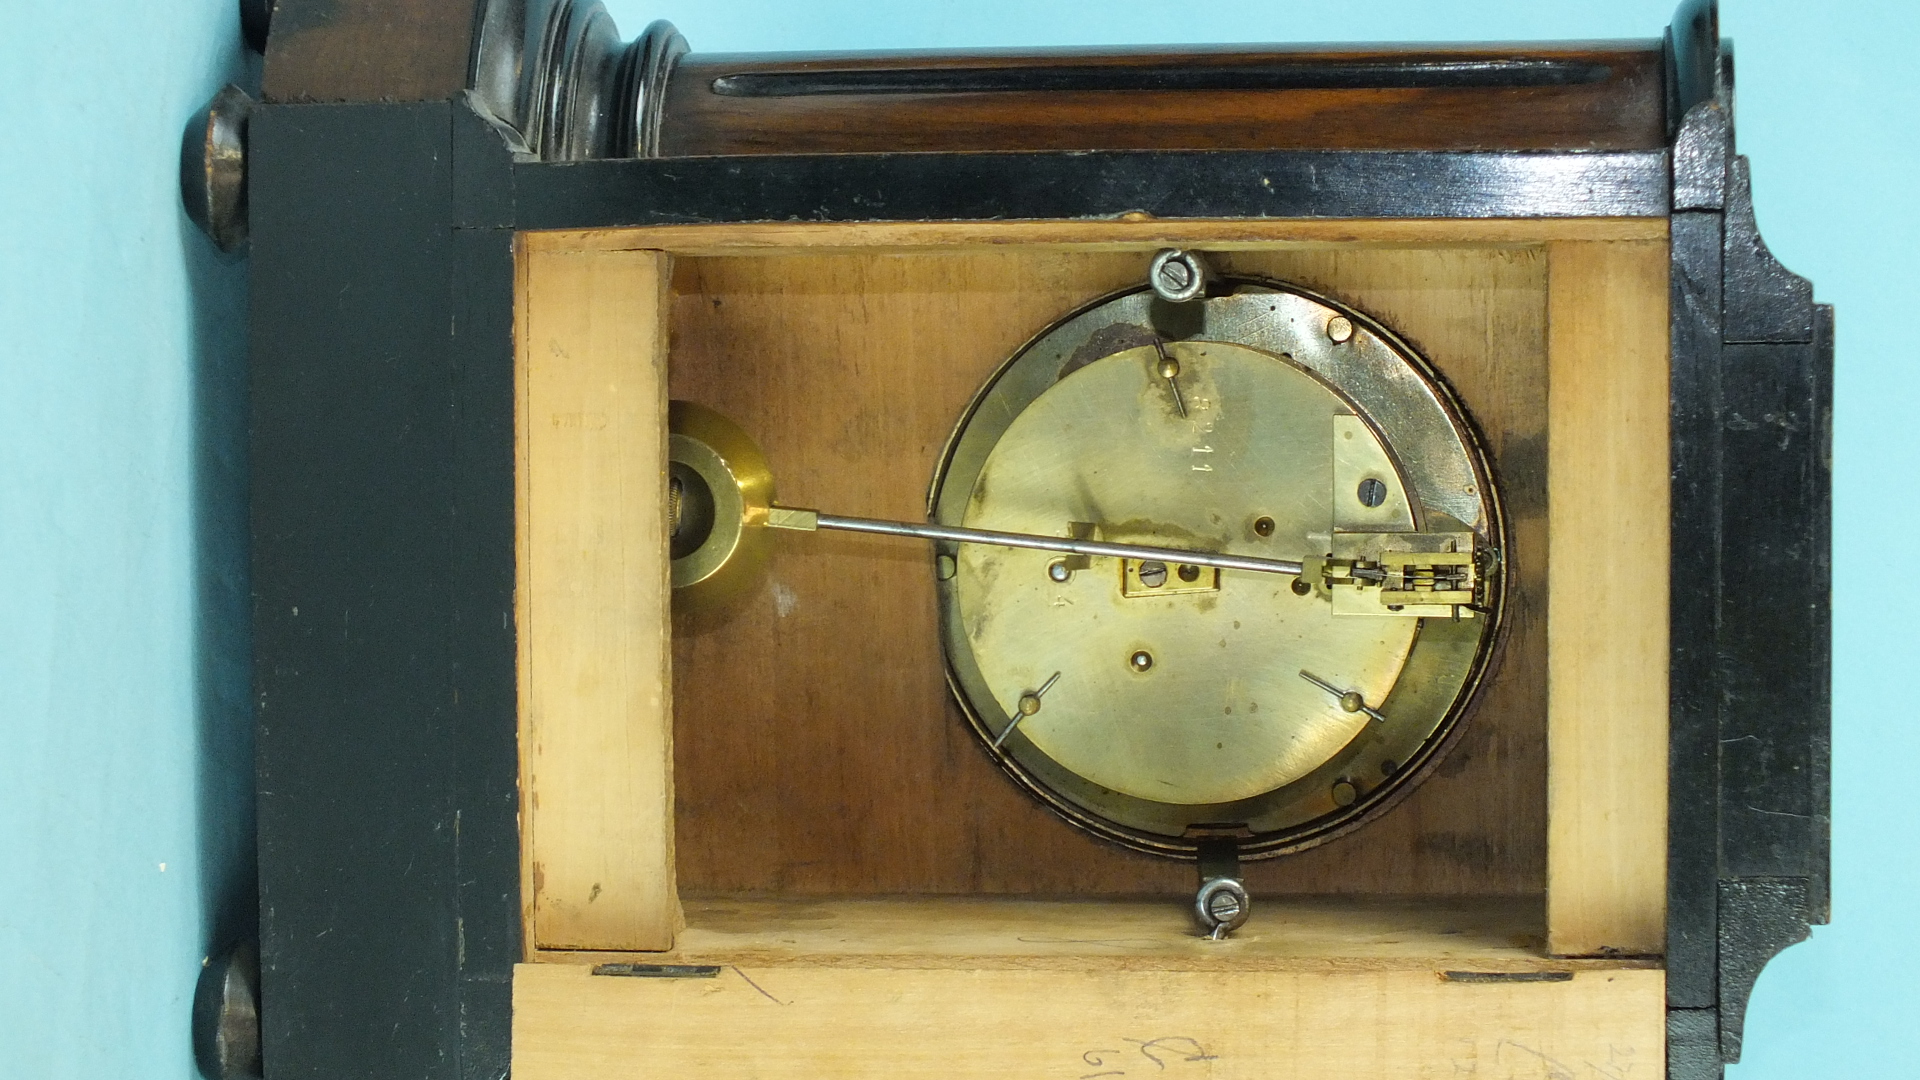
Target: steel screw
column 1222, row 905
column 1339, row 329
column 1372, row 492
column 1177, row 276
column 1153, row 574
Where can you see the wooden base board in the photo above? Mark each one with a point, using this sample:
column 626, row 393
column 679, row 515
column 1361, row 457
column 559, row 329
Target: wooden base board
column 807, row 1021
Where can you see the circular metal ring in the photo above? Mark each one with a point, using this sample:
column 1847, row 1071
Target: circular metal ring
column 1177, row 276
column 1222, row 906
column 1432, row 477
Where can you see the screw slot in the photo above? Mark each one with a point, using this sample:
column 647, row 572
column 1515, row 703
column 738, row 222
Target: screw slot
column 1177, row 276
column 1372, row 492
column 1153, row 574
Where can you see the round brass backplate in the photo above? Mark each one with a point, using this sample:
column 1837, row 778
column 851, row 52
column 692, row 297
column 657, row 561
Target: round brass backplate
column 1158, row 704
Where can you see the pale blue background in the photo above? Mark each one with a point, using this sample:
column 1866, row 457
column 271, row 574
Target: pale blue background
column 124, row 814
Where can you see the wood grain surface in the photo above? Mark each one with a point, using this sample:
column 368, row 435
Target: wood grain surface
column 799, row 1021
column 591, row 603
column 1607, row 619
column 367, row 50
column 1623, row 110
column 817, row 750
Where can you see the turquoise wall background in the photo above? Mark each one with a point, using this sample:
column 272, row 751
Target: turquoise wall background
column 125, row 754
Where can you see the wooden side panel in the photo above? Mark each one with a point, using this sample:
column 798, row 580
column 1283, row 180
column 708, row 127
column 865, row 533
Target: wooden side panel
column 596, row 727
column 806, row 1022
column 1607, row 614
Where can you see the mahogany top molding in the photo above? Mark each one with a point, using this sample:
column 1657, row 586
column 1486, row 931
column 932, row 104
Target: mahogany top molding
column 531, row 61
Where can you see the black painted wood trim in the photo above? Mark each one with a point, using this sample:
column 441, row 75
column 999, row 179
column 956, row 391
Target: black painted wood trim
column 1693, row 763
column 1168, row 184
column 382, row 567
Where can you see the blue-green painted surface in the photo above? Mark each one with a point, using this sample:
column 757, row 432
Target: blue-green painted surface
column 123, row 746
column 125, row 759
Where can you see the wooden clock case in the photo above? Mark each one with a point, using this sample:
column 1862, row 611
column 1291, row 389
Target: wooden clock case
column 491, row 761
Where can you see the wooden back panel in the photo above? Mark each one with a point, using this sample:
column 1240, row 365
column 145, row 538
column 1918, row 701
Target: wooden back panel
column 817, row 749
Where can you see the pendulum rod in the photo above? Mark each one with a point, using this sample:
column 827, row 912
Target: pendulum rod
column 781, row 517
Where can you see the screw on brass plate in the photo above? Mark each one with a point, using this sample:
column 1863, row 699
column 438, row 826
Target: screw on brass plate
column 1372, row 492
column 1189, row 572
column 1153, row 574
column 1344, row 793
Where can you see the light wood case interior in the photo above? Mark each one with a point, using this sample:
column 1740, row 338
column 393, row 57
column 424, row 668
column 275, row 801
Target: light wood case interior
column 812, row 792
